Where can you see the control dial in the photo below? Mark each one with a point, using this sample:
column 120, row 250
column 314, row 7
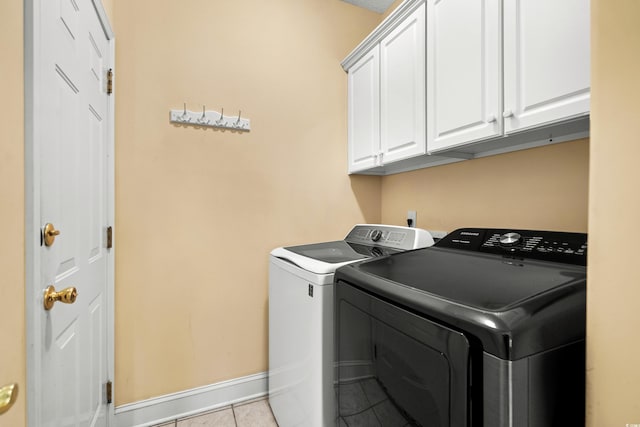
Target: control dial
column 376, row 235
column 509, row 240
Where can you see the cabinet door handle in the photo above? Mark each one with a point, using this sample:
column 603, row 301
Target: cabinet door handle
column 491, row 118
column 507, row 113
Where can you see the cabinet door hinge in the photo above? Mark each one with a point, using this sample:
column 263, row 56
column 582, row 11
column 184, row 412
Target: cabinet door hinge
column 110, row 81
column 109, row 392
column 109, row 237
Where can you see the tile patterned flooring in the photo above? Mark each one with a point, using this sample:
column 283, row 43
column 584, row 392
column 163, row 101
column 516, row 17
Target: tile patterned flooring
column 256, row 413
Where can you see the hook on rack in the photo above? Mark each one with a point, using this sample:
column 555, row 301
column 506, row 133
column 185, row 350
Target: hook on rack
column 208, row 118
column 220, row 121
column 203, row 119
column 185, row 117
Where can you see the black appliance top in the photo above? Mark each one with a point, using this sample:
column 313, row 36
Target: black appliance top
column 519, row 292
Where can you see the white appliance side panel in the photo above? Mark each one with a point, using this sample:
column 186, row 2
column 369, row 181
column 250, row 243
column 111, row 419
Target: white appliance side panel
column 300, row 349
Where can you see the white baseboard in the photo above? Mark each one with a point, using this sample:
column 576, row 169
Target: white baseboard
column 189, row 402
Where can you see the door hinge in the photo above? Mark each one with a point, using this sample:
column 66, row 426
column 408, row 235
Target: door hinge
column 110, row 81
column 109, row 237
column 109, row 392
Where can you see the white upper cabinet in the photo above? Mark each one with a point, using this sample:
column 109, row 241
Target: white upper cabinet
column 546, row 61
column 387, row 86
column 498, row 67
column 450, row 80
column 464, row 72
column 402, row 90
column 364, row 112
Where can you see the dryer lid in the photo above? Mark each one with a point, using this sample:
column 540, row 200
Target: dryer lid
column 484, row 281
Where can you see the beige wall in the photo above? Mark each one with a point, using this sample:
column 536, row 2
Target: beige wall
column 542, row 188
column 108, row 7
column 189, row 312
column 613, row 343
column 13, row 350
column 198, row 210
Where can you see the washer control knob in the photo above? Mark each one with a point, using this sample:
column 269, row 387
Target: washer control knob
column 376, row 235
column 510, row 239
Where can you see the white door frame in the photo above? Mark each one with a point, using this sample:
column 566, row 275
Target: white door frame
column 33, row 136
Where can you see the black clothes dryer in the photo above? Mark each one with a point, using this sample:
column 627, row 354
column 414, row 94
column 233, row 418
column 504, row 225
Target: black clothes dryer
column 486, row 328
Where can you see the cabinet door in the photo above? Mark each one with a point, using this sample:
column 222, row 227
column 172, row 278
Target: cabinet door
column 464, row 79
column 402, row 89
column 364, row 112
column 546, row 61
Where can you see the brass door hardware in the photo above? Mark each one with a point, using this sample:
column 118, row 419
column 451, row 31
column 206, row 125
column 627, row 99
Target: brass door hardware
column 109, row 237
column 110, row 81
column 49, row 234
column 8, row 396
column 109, row 392
column 67, row 296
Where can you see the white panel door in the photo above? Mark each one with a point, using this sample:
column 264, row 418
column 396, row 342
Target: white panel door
column 546, row 61
column 464, row 72
column 364, row 111
column 402, row 89
column 71, row 128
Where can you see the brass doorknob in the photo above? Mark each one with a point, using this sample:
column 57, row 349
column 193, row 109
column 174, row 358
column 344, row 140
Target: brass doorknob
column 67, row 296
column 49, row 234
column 8, row 396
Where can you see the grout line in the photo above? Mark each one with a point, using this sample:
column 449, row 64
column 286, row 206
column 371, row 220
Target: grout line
column 233, row 411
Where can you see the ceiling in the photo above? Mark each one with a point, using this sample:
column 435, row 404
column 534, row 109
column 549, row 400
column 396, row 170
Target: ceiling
column 379, row 6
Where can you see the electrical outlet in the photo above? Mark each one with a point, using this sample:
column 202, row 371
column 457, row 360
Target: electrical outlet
column 411, row 218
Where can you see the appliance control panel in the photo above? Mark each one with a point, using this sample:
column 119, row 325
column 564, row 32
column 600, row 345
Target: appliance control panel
column 565, row 247
column 390, row 236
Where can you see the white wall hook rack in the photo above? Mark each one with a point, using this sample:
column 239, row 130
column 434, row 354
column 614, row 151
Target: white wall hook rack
column 210, row 119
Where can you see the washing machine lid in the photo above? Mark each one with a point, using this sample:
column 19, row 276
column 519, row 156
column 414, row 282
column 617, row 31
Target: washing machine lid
column 329, row 252
column 326, row 257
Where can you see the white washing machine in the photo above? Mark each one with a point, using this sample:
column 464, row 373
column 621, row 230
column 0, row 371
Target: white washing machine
column 301, row 318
